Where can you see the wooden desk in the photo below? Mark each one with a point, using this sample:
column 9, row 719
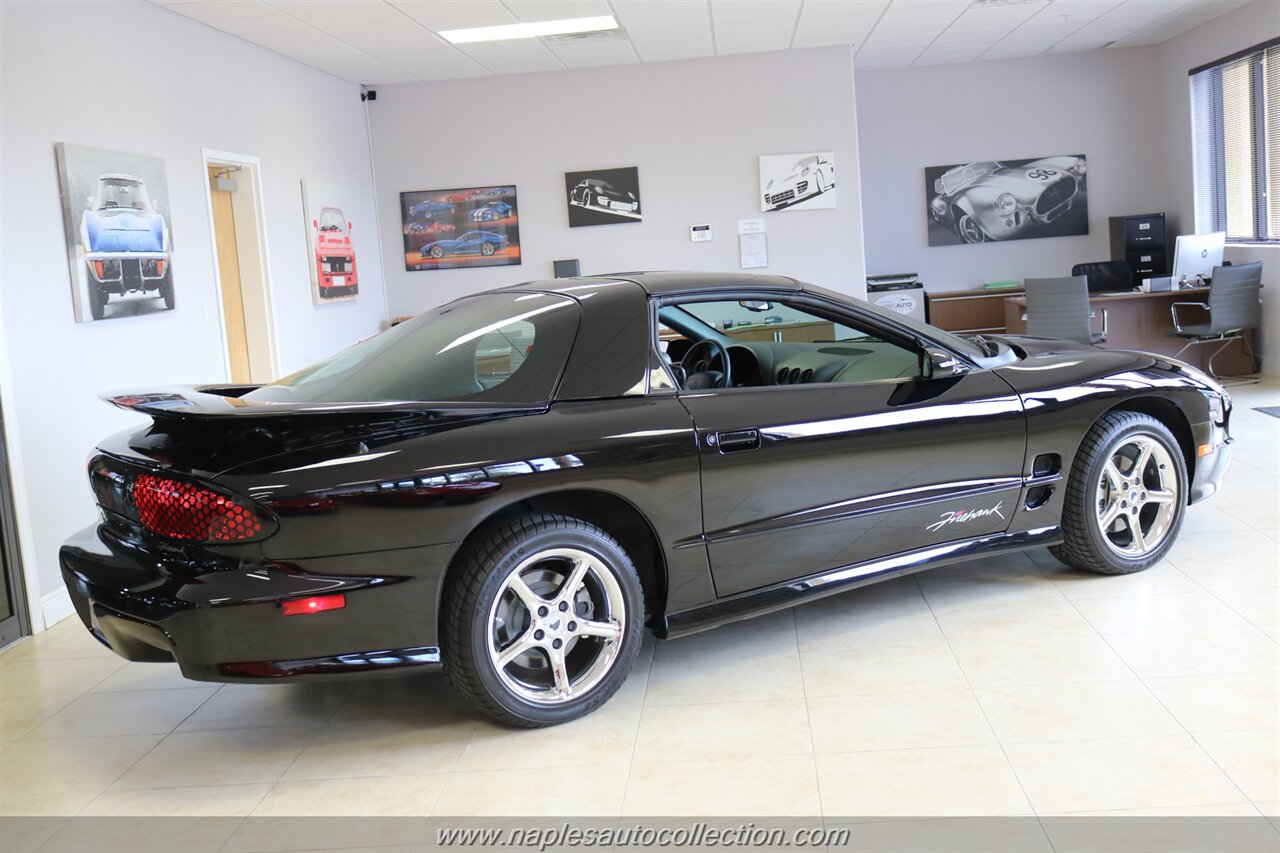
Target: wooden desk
column 1141, row 321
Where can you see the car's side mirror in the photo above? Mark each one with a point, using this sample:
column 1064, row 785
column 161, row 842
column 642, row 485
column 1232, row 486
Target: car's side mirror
column 940, row 364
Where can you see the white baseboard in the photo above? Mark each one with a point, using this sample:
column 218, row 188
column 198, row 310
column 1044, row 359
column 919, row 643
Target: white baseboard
column 1270, row 366
column 56, row 606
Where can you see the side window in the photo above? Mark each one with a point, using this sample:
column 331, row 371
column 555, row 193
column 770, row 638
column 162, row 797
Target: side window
column 775, row 343
column 501, row 352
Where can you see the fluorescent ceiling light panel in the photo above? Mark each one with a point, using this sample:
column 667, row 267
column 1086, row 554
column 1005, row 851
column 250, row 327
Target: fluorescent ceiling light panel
column 532, row 29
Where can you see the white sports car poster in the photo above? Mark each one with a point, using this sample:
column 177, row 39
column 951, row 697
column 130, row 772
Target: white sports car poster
column 797, row 181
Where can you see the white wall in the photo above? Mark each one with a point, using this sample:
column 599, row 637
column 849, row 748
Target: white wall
column 1238, row 30
column 695, row 130
column 1103, row 104
column 133, row 76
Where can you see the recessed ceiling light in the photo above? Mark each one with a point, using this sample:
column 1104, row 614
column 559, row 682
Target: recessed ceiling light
column 532, row 29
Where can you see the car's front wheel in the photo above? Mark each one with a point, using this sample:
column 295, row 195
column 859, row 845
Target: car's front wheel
column 486, row 249
column 166, row 290
column 970, row 230
column 542, row 620
column 1125, row 498
column 436, row 252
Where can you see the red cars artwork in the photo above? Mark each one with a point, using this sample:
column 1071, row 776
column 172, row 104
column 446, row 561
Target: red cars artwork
column 335, row 257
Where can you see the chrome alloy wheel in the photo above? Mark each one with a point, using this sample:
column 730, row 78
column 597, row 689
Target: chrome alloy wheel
column 556, row 625
column 1137, row 496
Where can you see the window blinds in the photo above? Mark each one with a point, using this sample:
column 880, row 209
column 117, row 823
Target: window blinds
column 1235, row 112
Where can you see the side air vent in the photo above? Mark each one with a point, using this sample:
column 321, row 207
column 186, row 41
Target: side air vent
column 807, row 376
column 1046, row 464
column 795, row 375
column 782, row 376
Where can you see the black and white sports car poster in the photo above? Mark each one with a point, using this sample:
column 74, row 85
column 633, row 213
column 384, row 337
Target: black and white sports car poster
column 797, row 181
column 603, row 196
column 992, row 200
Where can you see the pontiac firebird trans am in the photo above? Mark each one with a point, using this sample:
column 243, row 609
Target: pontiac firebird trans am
column 516, row 485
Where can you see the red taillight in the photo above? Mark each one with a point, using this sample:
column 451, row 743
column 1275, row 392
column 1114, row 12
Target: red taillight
column 185, row 511
column 317, row 604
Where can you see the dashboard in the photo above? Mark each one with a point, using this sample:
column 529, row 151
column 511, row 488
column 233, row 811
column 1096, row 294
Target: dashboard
column 760, row 364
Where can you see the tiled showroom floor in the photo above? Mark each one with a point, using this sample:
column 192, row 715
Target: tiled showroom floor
column 1010, row 686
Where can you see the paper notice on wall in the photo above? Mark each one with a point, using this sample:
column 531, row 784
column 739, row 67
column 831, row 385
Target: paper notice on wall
column 753, row 251
column 751, row 226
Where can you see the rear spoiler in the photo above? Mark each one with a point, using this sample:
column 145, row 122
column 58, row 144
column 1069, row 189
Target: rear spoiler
column 209, row 402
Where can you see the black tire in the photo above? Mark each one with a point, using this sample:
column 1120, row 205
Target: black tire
column 476, row 580
column 436, row 252
column 487, row 249
column 1085, row 546
column 97, row 301
column 969, row 229
column 166, row 290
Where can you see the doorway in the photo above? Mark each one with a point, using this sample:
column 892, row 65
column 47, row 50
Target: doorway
column 13, row 614
column 244, row 291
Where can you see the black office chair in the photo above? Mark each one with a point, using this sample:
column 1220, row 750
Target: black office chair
column 1235, row 306
column 1059, row 308
column 1106, row 276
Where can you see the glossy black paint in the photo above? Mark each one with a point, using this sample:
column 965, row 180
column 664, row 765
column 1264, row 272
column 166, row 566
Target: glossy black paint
column 814, row 489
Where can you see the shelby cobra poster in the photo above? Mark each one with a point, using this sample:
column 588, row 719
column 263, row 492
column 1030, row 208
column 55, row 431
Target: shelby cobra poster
column 797, row 181
column 333, row 257
column 116, row 210
column 603, row 196
column 450, row 229
column 1007, row 200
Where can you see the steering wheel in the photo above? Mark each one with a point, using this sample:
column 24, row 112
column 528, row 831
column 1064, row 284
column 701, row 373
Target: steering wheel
column 697, row 366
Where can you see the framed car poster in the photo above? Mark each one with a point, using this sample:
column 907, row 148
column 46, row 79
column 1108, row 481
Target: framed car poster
column 603, row 196
column 115, row 207
column 459, row 228
column 334, row 273
column 797, row 181
column 994, row 200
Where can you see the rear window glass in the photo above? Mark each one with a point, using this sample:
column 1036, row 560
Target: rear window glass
column 505, row 348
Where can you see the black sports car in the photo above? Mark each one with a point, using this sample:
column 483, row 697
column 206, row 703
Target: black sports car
column 517, row 484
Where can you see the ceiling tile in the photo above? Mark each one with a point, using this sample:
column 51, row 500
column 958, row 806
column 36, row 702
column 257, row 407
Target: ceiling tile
column 437, row 15
column 556, row 10
column 209, row 11
column 513, row 57
column 662, row 30
column 837, row 23
column 392, row 42
column 248, row 27
column 751, row 26
column 369, row 13
column 595, row 54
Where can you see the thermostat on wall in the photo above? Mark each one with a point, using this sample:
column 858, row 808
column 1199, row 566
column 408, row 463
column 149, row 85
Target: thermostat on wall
column 699, row 233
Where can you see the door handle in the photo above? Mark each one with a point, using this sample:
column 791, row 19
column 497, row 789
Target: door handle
column 743, row 439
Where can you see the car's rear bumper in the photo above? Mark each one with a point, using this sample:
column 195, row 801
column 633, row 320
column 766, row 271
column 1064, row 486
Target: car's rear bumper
column 222, row 620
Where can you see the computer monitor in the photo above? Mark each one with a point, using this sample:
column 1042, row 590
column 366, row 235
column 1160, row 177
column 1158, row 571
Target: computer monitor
column 1197, row 255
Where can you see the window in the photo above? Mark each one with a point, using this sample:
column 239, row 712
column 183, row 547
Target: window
column 1235, row 121
column 497, row 348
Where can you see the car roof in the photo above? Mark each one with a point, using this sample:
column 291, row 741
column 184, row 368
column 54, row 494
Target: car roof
column 659, row 283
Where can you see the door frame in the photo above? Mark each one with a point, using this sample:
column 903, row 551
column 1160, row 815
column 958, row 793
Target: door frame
column 27, row 600
column 250, row 166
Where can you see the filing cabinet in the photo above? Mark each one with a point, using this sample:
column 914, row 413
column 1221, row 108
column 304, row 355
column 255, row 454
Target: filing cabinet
column 1140, row 242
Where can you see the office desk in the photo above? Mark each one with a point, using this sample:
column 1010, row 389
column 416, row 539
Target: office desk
column 1142, row 321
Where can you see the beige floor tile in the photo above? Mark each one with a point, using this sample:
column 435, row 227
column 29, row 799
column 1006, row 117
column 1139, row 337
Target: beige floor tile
column 136, row 713
column 309, row 835
column 1119, row 773
column 21, row 714
column 204, row 801
column 772, row 634
column 1218, row 562
column 634, row 688
column 1101, row 709
column 891, row 669
column 116, row 835
column 960, row 780
column 1172, row 612
column 31, row 677
column 1015, row 621
column 893, row 613
column 73, row 764
column 375, row 796
column 425, row 698
column 723, row 677
column 195, row 759
column 1251, row 759
column 1272, row 631
column 148, row 676
column 22, row 804
column 64, row 644
column 722, row 731
column 381, row 749
column 606, row 735
column 1260, row 606
column 569, row 791
column 1214, row 703
column 259, row 706
column 897, row 721
column 1162, row 654
column 1005, row 580
column 1241, row 809
column 1161, row 578
column 1038, row 660
column 779, row 786
column 1260, row 516
column 1206, row 518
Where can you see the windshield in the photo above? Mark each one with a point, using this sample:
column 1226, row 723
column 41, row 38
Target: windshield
column 958, row 177
column 502, row 348
column 122, row 194
column 331, row 219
